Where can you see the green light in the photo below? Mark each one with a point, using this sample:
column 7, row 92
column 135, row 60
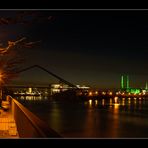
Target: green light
column 133, row 90
column 122, row 82
column 127, row 82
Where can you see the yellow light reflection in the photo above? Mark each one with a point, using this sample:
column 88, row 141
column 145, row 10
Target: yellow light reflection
column 22, row 97
column 103, row 102
column 129, row 100
column 96, row 102
column 116, row 99
column 123, row 101
column 90, row 103
column 115, row 123
column 29, row 97
column 116, row 106
column 110, row 101
column 116, row 109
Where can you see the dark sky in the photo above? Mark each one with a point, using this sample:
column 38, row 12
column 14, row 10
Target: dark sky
column 84, row 47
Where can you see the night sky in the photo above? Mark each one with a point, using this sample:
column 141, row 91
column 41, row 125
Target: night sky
column 84, row 47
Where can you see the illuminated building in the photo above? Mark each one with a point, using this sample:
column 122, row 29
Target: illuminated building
column 57, row 88
column 29, row 90
column 125, row 86
column 83, row 87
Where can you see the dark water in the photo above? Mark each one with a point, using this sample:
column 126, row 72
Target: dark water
column 115, row 118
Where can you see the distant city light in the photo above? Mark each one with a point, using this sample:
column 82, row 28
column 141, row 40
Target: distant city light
column 110, row 93
column 90, row 93
column 96, row 92
column 103, row 93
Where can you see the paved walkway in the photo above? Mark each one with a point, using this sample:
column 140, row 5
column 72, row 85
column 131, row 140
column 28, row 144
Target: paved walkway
column 7, row 125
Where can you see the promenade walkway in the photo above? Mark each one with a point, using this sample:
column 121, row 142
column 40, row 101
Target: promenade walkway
column 7, row 125
column 28, row 124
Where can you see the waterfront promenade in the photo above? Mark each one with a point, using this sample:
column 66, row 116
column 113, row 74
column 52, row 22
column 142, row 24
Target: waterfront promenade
column 7, row 125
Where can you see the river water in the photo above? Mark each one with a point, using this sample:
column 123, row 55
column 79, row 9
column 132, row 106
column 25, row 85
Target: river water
column 115, row 118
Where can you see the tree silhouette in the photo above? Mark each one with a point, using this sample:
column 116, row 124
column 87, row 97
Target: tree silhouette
column 10, row 58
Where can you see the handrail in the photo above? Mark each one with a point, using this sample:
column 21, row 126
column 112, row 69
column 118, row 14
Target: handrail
column 39, row 128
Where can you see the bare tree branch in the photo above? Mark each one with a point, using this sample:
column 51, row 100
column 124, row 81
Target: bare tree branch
column 10, row 63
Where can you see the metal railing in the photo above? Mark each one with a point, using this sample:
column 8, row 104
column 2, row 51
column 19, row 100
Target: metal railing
column 28, row 124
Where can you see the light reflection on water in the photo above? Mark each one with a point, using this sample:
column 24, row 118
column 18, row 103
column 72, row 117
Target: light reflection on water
column 90, row 103
column 32, row 97
column 110, row 101
column 96, row 102
column 113, row 117
column 123, row 102
column 103, row 102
